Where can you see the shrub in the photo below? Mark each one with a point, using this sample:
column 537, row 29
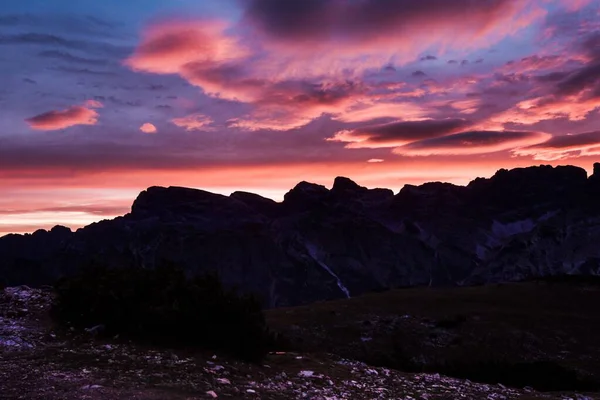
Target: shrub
column 163, row 307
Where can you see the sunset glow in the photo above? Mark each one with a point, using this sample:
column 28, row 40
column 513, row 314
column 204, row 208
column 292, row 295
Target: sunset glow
column 101, row 100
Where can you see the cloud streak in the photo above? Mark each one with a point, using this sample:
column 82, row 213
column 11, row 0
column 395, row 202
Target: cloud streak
column 398, row 133
column 62, row 119
column 473, row 142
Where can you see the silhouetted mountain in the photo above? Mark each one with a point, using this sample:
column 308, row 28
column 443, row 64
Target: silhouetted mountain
column 321, row 244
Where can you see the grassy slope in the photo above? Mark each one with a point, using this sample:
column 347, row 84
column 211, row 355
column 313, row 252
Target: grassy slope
column 423, row 328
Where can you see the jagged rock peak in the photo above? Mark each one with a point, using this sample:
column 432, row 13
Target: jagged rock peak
column 305, row 191
column 343, row 184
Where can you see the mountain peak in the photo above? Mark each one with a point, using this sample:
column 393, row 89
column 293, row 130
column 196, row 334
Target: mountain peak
column 305, row 193
column 342, row 184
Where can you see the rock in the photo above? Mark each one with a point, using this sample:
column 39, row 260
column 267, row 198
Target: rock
column 212, row 394
column 95, row 330
column 90, row 387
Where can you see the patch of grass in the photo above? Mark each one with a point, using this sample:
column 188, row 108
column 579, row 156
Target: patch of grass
column 544, row 376
column 538, row 334
column 161, row 306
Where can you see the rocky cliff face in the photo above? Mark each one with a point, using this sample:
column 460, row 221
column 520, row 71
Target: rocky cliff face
column 320, row 244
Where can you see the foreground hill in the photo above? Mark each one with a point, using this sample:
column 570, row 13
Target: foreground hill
column 39, row 361
column 324, row 244
column 542, row 334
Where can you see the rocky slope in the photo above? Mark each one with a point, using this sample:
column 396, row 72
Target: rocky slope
column 323, row 244
column 38, row 361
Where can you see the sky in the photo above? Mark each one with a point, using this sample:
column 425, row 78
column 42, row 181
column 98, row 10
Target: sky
column 102, row 99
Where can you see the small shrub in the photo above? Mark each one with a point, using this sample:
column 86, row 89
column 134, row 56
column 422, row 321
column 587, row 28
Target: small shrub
column 451, row 323
column 163, row 307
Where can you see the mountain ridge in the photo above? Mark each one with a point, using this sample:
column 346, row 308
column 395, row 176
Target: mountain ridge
column 321, row 243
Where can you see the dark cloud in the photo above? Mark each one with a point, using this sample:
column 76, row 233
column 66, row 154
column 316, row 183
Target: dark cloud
column 428, row 58
column 82, row 71
column 55, row 41
column 591, row 45
column 452, row 62
column 514, row 78
column 472, row 142
column 419, row 73
column 364, row 20
column 583, row 78
column 397, row 133
column 413, row 130
column 89, row 26
column 64, row 56
column 551, row 77
column 40, row 38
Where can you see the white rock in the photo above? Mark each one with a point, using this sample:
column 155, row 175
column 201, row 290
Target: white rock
column 306, row 374
column 212, row 394
column 87, row 387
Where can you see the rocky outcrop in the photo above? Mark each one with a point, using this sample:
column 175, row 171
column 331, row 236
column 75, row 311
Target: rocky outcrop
column 321, row 244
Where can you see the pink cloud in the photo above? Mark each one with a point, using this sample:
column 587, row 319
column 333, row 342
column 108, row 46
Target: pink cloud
column 93, row 104
column 527, row 112
column 534, row 63
column 564, row 147
column 148, row 128
column 368, row 110
column 194, row 122
column 54, row 120
column 168, row 46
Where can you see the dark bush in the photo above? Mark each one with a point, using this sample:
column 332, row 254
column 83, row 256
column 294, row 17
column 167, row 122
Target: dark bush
column 163, row 307
column 454, row 322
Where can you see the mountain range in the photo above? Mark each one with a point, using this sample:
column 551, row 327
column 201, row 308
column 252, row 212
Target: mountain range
column 320, row 243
